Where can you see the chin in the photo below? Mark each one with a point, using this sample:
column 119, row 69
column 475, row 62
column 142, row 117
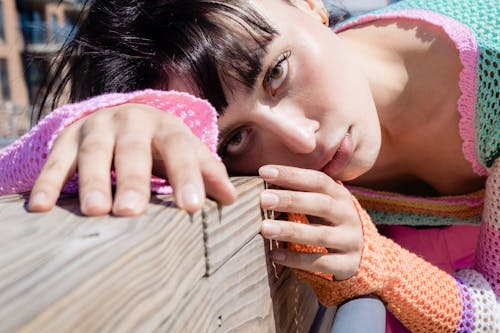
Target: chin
column 358, row 168
column 351, row 175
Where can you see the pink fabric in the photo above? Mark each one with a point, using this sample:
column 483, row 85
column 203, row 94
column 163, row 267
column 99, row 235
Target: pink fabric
column 450, row 248
column 21, row 162
column 485, row 261
column 469, row 200
column 466, row 44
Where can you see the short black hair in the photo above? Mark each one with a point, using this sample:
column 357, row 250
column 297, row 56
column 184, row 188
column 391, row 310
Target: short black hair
column 129, row 45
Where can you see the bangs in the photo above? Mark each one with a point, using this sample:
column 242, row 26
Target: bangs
column 123, row 46
column 224, row 47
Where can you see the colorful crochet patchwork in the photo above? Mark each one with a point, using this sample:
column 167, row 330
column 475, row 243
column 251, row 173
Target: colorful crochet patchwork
column 412, row 210
column 422, row 296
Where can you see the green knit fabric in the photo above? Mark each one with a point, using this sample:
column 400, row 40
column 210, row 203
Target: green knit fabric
column 380, row 217
column 482, row 17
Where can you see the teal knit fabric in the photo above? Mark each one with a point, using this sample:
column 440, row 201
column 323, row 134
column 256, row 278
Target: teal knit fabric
column 482, row 17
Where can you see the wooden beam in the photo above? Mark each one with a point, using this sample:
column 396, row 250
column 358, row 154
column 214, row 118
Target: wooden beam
column 163, row 271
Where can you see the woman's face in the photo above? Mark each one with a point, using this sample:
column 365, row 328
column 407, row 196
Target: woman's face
column 311, row 106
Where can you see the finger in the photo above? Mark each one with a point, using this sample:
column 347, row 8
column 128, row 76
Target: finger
column 182, row 168
column 309, row 203
column 306, row 180
column 94, row 166
column 59, row 166
column 215, row 178
column 133, row 164
column 341, row 266
column 336, row 239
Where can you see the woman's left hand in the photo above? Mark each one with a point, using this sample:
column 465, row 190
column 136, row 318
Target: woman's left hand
column 335, row 223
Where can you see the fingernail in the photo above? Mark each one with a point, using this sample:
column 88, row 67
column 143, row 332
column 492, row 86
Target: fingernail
column 38, row 199
column 130, row 201
column 93, row 199
column 270, row 229
column 190, row 195
column 278, row 256
column 269, row 200
column 268, row 172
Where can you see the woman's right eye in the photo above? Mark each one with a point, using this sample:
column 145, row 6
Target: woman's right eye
column 277, row 74
column 235, row 143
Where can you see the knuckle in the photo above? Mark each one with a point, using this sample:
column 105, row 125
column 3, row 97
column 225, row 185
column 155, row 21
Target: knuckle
column 289, row 172
column 325, row 264
column 135, row 143
column 95, row 119
column 325, row 204
column 322, row 182
column 213, row 170
column 354, row 245
column 289, row 230
column 170, row 123
column 174, row 138
column 287, row 200
column 92, row 145
column 92, row 182
column 344, row 194
column 52, row 168
column 353, row 265
column 134, row 178
column 324, row 237
column 123, row 115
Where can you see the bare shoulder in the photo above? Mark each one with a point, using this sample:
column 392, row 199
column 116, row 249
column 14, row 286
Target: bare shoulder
column 423, row 122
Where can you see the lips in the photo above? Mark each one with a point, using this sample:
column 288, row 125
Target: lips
column 341, row 157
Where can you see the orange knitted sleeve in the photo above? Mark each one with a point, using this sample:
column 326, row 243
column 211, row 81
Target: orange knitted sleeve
column 423, row 297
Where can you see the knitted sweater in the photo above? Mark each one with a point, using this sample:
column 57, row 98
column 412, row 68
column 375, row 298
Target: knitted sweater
column 22, row 161
column 421, row 296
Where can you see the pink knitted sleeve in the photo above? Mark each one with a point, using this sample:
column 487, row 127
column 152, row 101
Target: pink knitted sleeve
column 21, row 162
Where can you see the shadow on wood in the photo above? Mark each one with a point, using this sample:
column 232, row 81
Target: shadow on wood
column 165, row 271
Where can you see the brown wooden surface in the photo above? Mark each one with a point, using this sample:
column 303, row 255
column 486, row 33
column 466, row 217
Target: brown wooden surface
column 165, row 271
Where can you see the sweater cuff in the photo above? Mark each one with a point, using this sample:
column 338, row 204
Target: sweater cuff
column 370, row 277
column 22, row 161
column 423, row 297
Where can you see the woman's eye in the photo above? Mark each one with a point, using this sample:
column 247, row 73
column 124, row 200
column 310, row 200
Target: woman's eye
column 236, row 143
column 277, row 74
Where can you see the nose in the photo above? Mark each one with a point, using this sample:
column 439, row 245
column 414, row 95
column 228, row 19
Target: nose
column 296, row 131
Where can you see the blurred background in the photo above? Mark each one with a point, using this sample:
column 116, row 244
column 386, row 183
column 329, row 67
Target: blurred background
column 31, row 32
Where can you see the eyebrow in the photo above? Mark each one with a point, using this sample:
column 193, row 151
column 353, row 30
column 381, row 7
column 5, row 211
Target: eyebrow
column 226, row 131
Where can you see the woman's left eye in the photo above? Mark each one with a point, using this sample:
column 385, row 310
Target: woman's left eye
column 277, row 75
column 235, row 144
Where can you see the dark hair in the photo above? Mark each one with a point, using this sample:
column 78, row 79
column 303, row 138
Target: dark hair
column 127, row 45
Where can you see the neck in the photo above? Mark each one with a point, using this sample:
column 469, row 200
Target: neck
column 414, row 83
column 384, row 61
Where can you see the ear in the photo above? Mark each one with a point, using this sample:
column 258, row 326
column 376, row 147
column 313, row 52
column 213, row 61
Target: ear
column 315, row 8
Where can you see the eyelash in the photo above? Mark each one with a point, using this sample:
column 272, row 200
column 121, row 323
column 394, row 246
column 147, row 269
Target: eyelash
column 222, row 150
column 223, row 147
column 279, row 62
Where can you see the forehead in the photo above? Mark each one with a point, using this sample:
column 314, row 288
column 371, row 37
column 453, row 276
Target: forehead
column 279, row 13
column 223, row 49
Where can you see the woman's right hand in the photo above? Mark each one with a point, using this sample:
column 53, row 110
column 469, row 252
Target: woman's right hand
column 135, row 141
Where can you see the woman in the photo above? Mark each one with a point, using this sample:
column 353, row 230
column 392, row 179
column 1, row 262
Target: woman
column 374, row 105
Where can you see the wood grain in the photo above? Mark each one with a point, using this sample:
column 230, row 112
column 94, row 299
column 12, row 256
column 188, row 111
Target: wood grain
column 236, row 298
column 63, row 272
column 164, row 271
column 229, row 228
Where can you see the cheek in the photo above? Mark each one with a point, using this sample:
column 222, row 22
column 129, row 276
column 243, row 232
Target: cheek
column 349, row 88
column 334, row 76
